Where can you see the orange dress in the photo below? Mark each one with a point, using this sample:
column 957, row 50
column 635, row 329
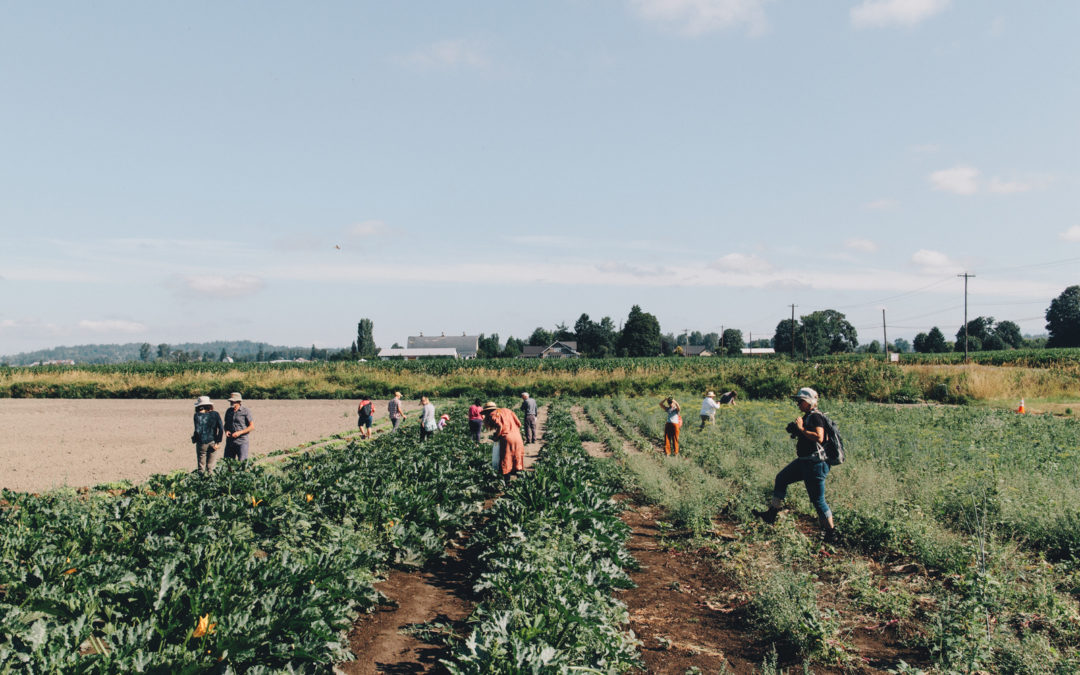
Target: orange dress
column 508, row 432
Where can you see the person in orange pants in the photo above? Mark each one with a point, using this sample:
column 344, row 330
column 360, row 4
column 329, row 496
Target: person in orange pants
column 507, row 428
column 671, row 429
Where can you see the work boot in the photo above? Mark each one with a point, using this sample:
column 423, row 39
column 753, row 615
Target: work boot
column 831, row 536
column 768, row 515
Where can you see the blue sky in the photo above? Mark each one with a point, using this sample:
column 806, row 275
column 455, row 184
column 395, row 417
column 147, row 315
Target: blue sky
column 174, row 172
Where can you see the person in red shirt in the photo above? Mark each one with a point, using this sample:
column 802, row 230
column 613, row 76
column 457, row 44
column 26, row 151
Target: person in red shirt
column 476, row 420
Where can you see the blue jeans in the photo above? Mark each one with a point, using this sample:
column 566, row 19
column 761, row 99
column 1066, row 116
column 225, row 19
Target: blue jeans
column 812, row 472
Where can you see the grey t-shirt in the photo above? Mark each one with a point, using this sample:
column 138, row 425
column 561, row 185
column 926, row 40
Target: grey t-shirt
column 528, row 406
column 238, row 420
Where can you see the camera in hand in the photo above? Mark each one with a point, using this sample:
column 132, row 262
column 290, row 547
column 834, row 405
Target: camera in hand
column 792, row 429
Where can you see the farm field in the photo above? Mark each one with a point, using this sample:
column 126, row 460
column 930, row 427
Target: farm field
column 959, row 551
column 48, row 443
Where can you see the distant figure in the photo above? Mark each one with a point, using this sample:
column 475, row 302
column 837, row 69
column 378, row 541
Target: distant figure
column 238, row 424
column 365, row 413
column 508, row 435
column 809, row 465
column 708, row 409
column 671, row 428
column 428, row 425
column 207, row 434
column 528, row 411
column 443, row 421
column 476, row 420
column 727, row 398
column 395, row 411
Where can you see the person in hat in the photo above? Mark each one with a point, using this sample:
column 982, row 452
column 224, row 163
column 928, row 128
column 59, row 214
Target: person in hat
column 443, row 421
column 529, row 410
column 207, row 434
column 395, row 411
column 238, row 425
column 809, row 465
column 507, row 428
column 672, row 426
column 709, row 407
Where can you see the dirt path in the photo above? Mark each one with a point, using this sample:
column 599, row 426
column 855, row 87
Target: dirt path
column 382, row 641
column 532, row 450
column 594, row 448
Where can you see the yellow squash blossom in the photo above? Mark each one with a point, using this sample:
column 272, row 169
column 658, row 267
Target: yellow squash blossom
column 309, row 497
column 255, row 502
column 204, row 626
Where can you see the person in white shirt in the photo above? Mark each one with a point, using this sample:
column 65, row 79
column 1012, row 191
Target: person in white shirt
column 709, row 406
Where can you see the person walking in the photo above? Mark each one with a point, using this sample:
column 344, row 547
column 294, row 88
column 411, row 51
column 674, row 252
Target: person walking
column 528, row 411
column 476, row 420
column 238, row 425
column 809, row 465
column 395, row 411
column 428, row 424
column 365, row 413
column 671, row 428
column 207, row 434
column 508, row 434
column 709, row 406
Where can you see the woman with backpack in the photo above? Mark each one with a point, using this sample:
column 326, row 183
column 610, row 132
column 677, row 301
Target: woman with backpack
column 365, row 413
column 809, row 466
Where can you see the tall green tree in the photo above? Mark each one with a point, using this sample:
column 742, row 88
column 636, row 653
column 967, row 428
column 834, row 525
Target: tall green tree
column 513, row 348
column 1009, row 333
column 640, row 334
column 541, row 338
column 163, row 351
column 733, row 341
column 145, row 351
column 828, row 332
column 488, row 347
column 786, row 330
column 932, row 342
column 1063, row 319
column 365, row 340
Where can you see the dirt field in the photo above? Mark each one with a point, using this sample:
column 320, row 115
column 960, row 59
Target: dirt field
column 47, row 443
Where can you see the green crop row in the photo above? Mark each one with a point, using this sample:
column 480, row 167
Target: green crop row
column 550, row 554
column 252, row 569
column 846, row 378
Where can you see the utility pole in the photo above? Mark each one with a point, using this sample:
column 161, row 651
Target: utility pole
column 793, row 332
column 722, row 352
column 885, row 334
column 750, row 344
column 966, row 277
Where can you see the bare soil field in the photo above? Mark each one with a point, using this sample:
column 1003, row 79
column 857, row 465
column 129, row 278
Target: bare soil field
column 49, row 443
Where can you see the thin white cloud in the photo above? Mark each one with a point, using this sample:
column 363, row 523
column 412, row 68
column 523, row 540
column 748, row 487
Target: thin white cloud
column 882, row 204
column 959, row 180
column 861, row 245
column 1003, row 187
column 367, row 228
column 884, row 13
column 112, row 326
column 697, row 17
column 933, row 262
column 741, row 263
column 448, row 55
column 218, row 285
column 1071, row 234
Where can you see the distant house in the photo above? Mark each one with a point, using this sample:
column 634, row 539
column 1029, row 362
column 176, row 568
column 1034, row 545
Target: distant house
column 466, row 346
column 755, row 351
column 560, row 349
column 412, row 354
column 696, row 350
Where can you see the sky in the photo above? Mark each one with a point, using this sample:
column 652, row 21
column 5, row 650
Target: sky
column 276, row 171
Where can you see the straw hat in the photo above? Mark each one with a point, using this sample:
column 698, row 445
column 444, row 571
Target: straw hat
column 710, row 395
column 490, row 406
column 236, row 397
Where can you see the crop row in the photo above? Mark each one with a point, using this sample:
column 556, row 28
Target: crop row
column 551, row 553
column 251, row 569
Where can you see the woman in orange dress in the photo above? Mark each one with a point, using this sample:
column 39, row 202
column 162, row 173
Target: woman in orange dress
column 507, row 428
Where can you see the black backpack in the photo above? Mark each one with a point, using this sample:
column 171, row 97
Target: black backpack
column 366, row 410
column 834, row 444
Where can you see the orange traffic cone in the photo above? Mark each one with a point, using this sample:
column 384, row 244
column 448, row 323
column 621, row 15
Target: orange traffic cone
column 1021, row 409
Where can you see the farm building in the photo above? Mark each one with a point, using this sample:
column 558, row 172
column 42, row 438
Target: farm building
column 756, row 351
column 466, row 346
column 560, row 349
column 411, row 354
column 696, row 350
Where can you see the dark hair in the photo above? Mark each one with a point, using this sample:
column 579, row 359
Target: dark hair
column 476, row 401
